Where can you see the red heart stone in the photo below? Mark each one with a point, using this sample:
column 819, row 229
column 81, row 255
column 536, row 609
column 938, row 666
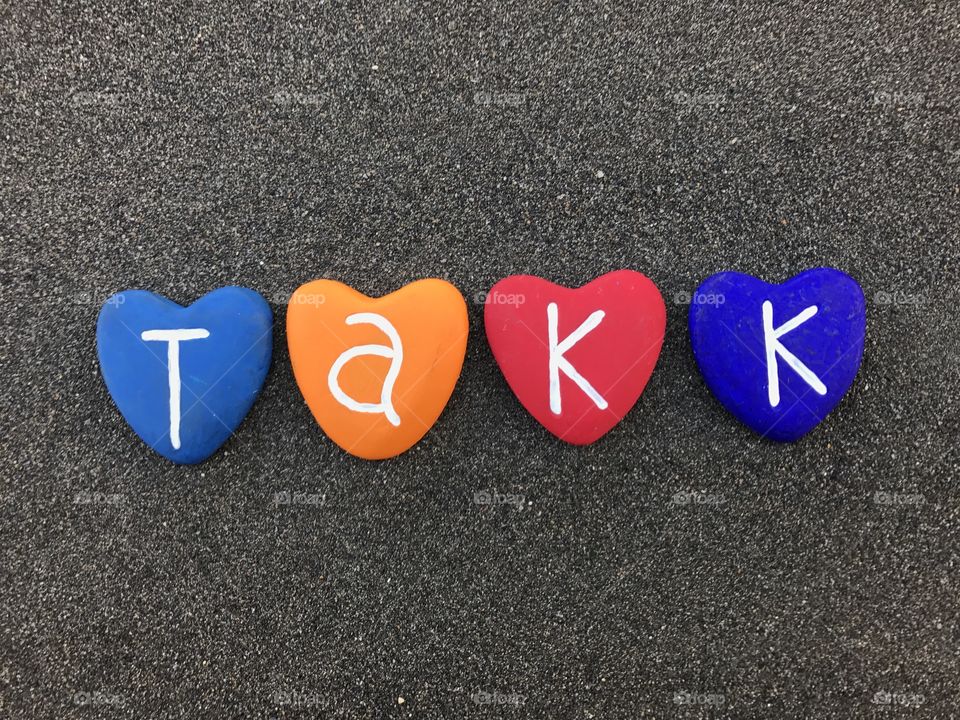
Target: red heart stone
column 577, row 359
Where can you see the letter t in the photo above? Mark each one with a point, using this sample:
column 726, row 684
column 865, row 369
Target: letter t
column 173, row 338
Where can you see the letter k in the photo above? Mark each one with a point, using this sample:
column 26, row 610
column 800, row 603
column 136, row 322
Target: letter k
column 558, row 362
column 771, row 339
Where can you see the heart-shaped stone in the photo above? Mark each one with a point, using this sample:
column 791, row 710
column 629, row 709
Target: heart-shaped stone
column 185, row 377
column 577, row 359
column 377, row 372
column 779, row 357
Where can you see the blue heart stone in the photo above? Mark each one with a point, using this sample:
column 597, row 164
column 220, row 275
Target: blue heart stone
column 779, row 357
column 185, row 377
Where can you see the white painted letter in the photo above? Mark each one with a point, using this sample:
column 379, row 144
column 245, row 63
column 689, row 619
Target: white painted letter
column 173, row 338
column 394, row 353
column 558, row 362
column 774, row 347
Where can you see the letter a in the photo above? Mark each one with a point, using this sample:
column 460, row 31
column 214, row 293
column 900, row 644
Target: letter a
column 393, row 353
column 173, row 338
column 774, row 347
column 558, row 362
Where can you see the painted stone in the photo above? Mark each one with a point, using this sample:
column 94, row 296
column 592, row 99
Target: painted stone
column 185, row 377
column 577, row 359
column 377, row 372
column 779, row 357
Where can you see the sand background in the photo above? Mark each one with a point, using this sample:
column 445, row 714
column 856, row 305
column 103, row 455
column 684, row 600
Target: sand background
column 177, row 148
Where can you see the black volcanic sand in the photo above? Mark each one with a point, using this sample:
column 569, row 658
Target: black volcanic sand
column 180, row 149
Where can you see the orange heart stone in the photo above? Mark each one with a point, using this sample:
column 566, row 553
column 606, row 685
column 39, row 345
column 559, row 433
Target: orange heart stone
column 377, row 372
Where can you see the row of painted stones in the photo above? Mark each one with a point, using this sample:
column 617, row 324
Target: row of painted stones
column 377, row 372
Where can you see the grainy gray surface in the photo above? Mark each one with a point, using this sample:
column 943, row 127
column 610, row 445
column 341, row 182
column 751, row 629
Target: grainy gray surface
column 179, row 148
